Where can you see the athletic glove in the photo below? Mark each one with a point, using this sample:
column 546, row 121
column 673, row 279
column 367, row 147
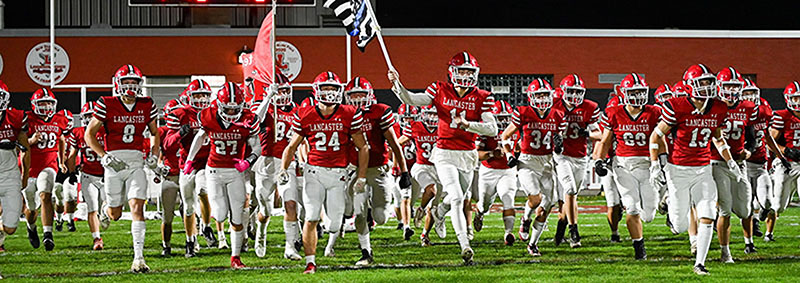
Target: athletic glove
column 583, row 132
column 737, row 171
column 601, row 168
column 185, row 130
column 242, row 164
column 151, row 161
column 283, row 177
column 360, row 186
column 73, row 178
column 512, row 160
column 162, row 170
column 405, row 181
column 656, row 174
column 110, row 161
column 558, row 144
column 792, row 153
column 187, row 167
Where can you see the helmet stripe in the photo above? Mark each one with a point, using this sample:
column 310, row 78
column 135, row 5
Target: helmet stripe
column 577, row 80
column 733, row 74
column 796, row 86
column 635, row 78
column 466, row 57
column 705, row 69
column 130, row 69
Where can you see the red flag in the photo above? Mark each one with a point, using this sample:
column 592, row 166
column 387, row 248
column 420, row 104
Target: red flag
column 262, row 55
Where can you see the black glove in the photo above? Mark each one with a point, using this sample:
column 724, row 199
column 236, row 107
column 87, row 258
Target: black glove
column 251, row 158
column 786, row 165
column 8, row 145
column 185, row 130
column 583, row 132
column 73, row 178
column 792, row 153
column 750, row 139
column 558, row 143
column 512, row 161
column 405, row 180
column 600, row 167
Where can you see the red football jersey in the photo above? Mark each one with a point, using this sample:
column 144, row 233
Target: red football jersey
column 44, row 154
column 272, row 145
column 87, row 158
column 761, row 126
column 449, row 105
column 408, row 150
column 538, row 131
column 424, row 140
column 227, row 142
column 12, row 123
column 631, row 134
column 789, row 124
column 492, row 143
column 691, row 145
column 328, row 137
column 125, row 127
column 740, row 115
column 577, row 118
column 186, row 115
column 377, row 119
column 170, row 150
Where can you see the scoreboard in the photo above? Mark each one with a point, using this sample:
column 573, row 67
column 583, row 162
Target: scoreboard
column 220, row 3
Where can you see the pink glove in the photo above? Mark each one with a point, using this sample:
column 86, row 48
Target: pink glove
column 187, row 167
column 241, row 164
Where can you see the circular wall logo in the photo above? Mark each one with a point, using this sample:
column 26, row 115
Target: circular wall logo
column 288, row 59
column 38, row 63
column 1, row 64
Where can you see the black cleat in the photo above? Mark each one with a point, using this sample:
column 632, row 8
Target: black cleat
column 190, row 253
column 574, row 236
column 71, row 225
column 477, row 221
column 669, row 224
column 615, row 238
column 525, row 229
column 750, row 248
column 399, row 226
column 166, row 251
column 533, row 250
column 298, row 245
column 639, row 251
column 366, row 258
column 59, row 225
column 211, row 238
column 408, row 233
column 757, row 228
column 762, row 215
column 33, row 237
column 560, row 229
column 700, row 270
column 769, row 238
column 48, row 242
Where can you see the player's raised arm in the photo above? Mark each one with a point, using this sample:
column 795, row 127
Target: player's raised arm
column 407, row 97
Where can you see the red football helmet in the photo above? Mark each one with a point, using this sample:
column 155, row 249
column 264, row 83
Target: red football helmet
column 359, row 93
column 701, row 81
column 680, row 89
column 750, row 91
column 502, row 112
column 198, row 94
column 663, row 93
column 5, row 96
column 128, row 89
column 729, row 84
column 230, row 102
column 792, row 95
column 540, row 94
column 429, row 116
column 87, row 110
column 329, row 96
column 43, row 102
column 172, row 105
column 634, row 90
column 283, row 90
column 574, row 89
column 463, row 70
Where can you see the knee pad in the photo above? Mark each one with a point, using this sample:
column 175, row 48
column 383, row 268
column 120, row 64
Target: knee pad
column 188, row 198
column 647, row 216
column 632, row 210
column 706, row 209
column 379, row 215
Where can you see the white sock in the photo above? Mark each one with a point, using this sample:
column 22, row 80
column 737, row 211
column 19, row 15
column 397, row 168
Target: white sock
column 221, row 234
column 137, row 232
column 46, row 229
column 245, row 219
column 164, row 243
column 725, row 250
column 69, row 217
column 538, row 228
column 364, row 241
column 442, row 210
column 311, row 259
column 459, row 224
column 203, row 226
column 236, row 242
column 528, row 212
column 508, row 223
column 32, row 225
column 692, row 239
column 704, row 234
column 332, row 237
column 637, row 239
column 290, row 229
column 95, row 235
column 748, row 241
column 192, row 238
column 767, row 234
column 616, row 233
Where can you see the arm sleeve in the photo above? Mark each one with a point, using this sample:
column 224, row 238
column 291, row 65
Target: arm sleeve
column 416, row 99
column 487, row 126
column 197, row 143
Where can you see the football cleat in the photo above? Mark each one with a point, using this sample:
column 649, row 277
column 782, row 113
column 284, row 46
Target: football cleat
column 533, row 250
column 48, row 242
column 59, row 224
column 71, row 225
column 418, row 216
column 509, row 239
column 33, row 237
column 291, row 254
column 139, row 266
column 615, row 238
column 408, row 233
column 298, row 245
column 105, row 221
column 700, row 270
column 466, row 255
column 400, row 226
column 236, row 263
column 763, row 213
column 750, row 248
column 366, row 258
column 211, row 239
column 470, row 233
column 166, row 251
column 223, row 244
column 2, row 248
column 671, row 228
column 757, row 228
column 329, row 252
column 311, row 268
column 477, row 221
column 425, row 241
column 190, row 251
column 769, row 238
column 663, row 208
column 438, row 225
column 574, row 236
column 524, row 229
column 560, row 229
column 98, row 244
column 639, row 251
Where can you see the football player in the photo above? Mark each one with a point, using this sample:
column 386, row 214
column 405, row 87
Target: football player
column 579, row 113
column 229, row 127
column 629, row 125
column 183, row 124
column 66, row 184
column 424, row 134
column 695, row 122
column 785, row 125
column 91, row 174
column 405, row 115
column 496, row 179
column 331, row 129
column 542, row 126
column 464, row 113
column 47, row 129
column 167, row 174
column 13, row 147
column 610, row 191
column 125, row 116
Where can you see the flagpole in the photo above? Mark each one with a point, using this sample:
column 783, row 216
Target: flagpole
column 380, row 37
column 349, row 57
column 274, row 75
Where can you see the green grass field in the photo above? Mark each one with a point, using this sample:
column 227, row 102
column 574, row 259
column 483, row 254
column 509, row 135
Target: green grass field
column 669, row 258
